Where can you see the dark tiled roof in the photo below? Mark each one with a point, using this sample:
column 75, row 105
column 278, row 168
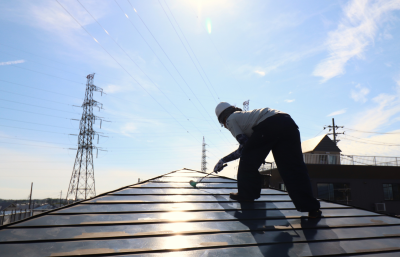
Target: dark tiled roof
column 165, row 216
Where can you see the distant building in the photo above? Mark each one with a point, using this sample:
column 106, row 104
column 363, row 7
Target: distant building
column 321, row 150
column 369, row 182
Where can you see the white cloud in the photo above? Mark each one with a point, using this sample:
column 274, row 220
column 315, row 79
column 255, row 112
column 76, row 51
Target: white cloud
column 355, row 32
column 386, row 109
column 364, row 144
column 261, row 73
column 273, row 63
column 337, row 112
column 12, row 62
column 360, row 94
column 289, row 100
column 385, row 112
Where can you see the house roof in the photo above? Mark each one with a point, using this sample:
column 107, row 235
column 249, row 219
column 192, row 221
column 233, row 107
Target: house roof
column 4, row 205
column 320, row 143
column 165, row 216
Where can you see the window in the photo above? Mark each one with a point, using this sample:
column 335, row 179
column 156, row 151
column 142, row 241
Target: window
column 282, row 187
column 391, row 191
column 339, row 192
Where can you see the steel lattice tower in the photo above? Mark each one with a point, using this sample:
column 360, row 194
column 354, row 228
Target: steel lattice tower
column 246, row 105
column 204, row 157
column 82, row 184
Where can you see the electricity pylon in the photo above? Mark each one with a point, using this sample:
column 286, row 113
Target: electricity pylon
column 82, row 184
column 204, row 157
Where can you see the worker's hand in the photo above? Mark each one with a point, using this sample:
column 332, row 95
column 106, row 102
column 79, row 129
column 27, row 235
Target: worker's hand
column 219, row 166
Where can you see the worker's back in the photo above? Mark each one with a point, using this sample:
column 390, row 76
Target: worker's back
column 242, row 122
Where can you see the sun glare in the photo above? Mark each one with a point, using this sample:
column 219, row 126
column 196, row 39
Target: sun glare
column 208, row 24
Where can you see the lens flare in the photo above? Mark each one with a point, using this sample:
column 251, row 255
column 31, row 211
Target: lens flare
column 208, row 24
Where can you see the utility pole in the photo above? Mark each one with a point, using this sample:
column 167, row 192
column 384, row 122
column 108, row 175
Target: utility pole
column 30, row 198
column 60, row 197
column 82, row 183
column 246, row 105
column 204, row 157
column 333, row 128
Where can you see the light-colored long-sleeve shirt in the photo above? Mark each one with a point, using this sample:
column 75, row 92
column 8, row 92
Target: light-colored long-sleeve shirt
column 241, row 124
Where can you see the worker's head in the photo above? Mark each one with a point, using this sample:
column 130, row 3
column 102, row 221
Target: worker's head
column 223, row 111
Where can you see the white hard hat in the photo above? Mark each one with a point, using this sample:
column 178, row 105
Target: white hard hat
column 221, row 107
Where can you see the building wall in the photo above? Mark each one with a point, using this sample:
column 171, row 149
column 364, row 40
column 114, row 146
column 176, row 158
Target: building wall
column 366, row 182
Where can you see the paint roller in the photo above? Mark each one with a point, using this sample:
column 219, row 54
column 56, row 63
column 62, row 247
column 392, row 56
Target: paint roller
column 193, row 184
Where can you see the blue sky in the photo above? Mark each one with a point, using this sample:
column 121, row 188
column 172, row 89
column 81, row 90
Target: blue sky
column 166, row 64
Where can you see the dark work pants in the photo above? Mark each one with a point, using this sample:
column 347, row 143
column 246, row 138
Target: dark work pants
column 280, row 134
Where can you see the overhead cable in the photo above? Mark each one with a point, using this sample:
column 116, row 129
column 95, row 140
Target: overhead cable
column 169, row 60
column 36, row 106
column 115, row 41
column 187, row 42
column 124, row 69
column 41, row 89
column 372, row 132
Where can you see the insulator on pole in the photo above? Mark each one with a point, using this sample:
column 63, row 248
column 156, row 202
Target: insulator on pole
column 204, row 157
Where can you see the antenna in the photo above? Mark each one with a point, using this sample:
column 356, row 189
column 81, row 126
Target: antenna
column 82, row 183
column 204, row 157
column 246, row 105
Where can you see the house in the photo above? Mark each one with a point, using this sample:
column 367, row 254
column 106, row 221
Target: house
column 7, row 206
column 321, row 150
column 165, row 216
column 369, row 182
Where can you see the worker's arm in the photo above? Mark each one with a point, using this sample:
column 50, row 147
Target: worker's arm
column 242, row 139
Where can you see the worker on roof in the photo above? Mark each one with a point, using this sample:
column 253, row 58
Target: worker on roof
column 258, row 132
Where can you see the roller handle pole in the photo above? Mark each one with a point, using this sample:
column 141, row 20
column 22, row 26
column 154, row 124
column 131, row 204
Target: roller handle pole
column 212, row 172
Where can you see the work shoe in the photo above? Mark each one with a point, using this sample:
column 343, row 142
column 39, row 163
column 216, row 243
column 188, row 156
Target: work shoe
column 315, row 214
column 237, row 197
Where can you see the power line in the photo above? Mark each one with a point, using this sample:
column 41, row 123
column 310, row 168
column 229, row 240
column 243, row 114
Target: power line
column 372, row 141
column 185, row 46
column 44, row 74
column 34, row 97
column 124, row 69
column 35, row 123
column 49, row 65
column 34, row 145
column 373, row 132
column 162, row 49
column 24, row 139
column 138, row 66
column 209, row 37
column 44, row 64
column 35, row 130
column 35, row 113
column 36, row 106
column 37, row 55
column 189, row 48
column 169, row 61
column 41, row 89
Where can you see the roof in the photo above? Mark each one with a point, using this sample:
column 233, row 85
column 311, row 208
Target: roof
column 165, row 216
column 4, row 205
column 44, row 207
column 320, row 143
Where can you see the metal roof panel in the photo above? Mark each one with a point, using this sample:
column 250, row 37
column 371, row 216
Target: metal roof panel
column 165, row 216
